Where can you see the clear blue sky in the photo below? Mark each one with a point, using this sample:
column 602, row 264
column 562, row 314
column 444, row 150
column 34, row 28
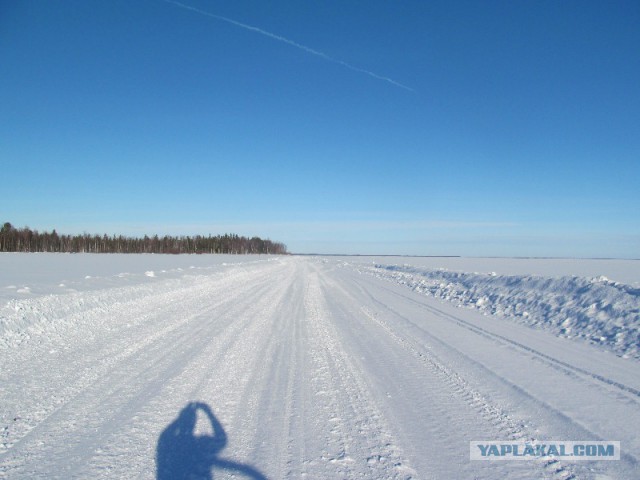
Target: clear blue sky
column 414, row 127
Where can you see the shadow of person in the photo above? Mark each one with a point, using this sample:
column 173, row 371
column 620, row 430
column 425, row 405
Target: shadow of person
column 181, row 454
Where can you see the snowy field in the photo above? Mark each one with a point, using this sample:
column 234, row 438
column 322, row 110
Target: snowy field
column 150, row 366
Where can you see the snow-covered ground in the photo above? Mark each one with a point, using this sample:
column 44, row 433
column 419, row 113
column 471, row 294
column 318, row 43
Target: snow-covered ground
column 594, row 308
column 143, row 366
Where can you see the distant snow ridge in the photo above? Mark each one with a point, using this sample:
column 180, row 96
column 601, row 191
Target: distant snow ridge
column 596, row 309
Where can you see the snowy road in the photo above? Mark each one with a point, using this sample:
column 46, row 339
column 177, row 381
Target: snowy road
column 301, row 368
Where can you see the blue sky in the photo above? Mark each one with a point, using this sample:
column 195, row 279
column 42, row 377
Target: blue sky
column 518, row 134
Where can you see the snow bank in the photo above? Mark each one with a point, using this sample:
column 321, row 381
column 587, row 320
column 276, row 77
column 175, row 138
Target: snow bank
column 595, row 309
column 48, row 294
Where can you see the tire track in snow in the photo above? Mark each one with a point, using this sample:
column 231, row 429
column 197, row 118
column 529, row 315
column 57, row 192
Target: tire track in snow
column 278, row 381
column 511, row 428
column 359, row 443
column 634, row 392
column 219, row 376
column 76, row 372
column 114, row 380
column 202, row 350
column 100, row 316
column 268, row 386
column 437, row 384
column 558, row 466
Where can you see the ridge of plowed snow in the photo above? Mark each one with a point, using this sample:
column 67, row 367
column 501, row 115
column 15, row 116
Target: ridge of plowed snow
column 594, row 309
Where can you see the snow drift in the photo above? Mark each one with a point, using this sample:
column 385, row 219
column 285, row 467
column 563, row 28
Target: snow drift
column 596, row 309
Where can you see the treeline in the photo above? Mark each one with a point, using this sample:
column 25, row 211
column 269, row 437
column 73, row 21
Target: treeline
column 26, row 240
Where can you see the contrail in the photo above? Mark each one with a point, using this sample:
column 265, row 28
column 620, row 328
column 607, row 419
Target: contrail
column 290, row 42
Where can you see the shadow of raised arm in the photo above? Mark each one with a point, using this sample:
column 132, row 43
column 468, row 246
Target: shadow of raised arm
column 218, row 431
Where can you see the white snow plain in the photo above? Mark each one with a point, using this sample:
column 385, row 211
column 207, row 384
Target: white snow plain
column 150, row 366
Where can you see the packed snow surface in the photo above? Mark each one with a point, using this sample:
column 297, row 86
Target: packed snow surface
column 148, row 366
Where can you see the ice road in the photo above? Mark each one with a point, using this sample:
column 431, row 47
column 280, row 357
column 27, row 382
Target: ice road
column 288, row 368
